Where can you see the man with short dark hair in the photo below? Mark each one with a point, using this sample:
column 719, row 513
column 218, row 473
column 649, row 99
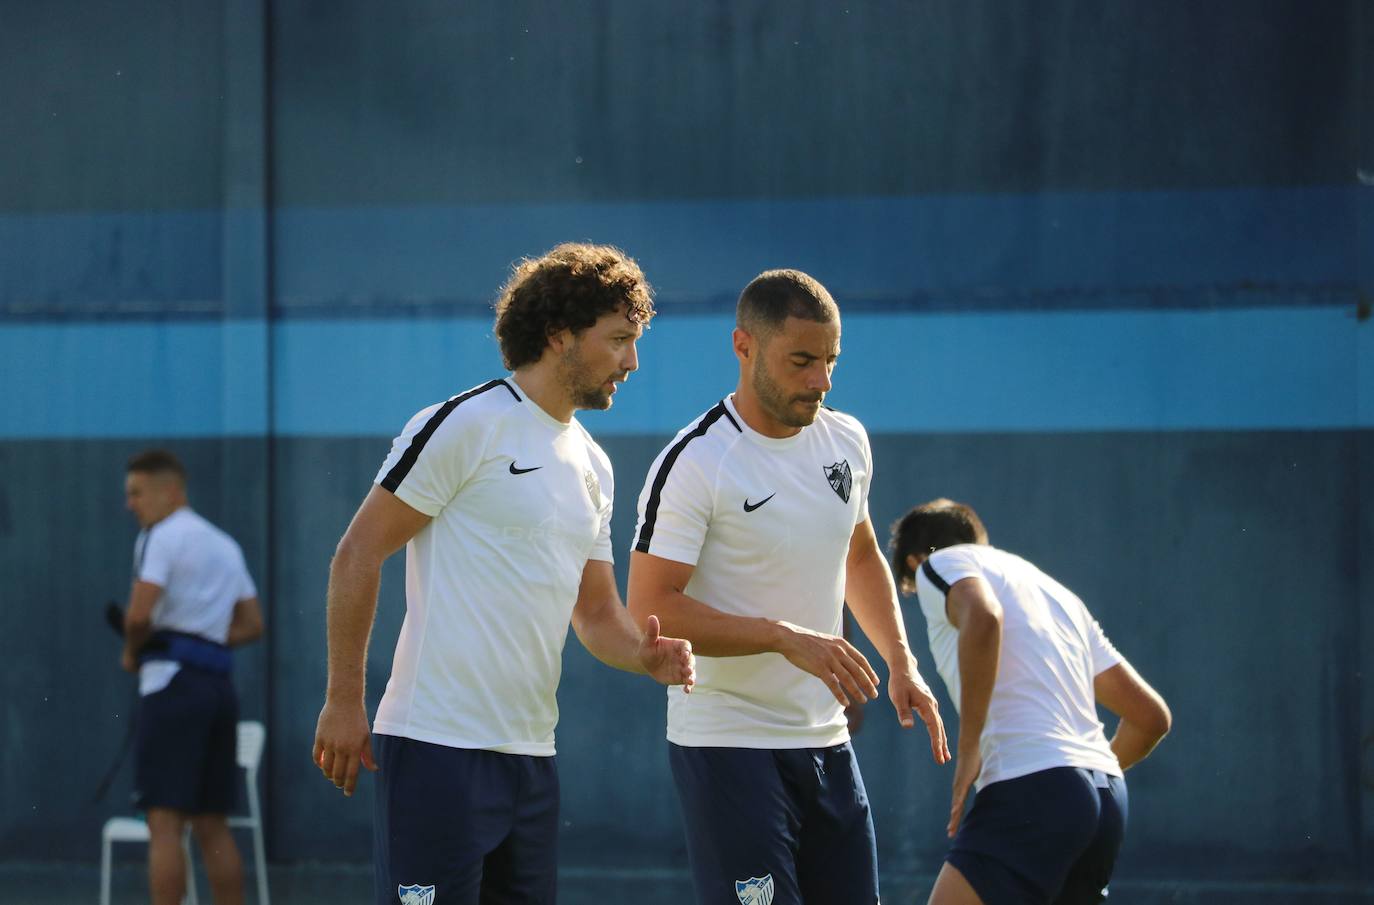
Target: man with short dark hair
column 753, row 534
column 1026, row 665
column 503, row 502
column 192, row 600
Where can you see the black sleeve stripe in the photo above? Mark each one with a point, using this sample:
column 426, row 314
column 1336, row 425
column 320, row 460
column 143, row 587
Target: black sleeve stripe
column 408, row 459
column 646, row 532
column 935, row 578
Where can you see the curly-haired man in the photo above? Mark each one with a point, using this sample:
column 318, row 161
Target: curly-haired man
column 503, row 502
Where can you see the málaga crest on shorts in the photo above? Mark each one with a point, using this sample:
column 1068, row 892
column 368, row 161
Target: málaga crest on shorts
column 755, row 890
column 416, row 895
column 841, row 478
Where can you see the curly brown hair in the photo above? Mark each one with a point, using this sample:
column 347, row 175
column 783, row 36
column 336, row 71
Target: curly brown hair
column 568, row 288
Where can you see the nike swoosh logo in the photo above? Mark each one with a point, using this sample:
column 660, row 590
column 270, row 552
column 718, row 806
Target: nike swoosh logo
column 750, row 507
column 514, row 470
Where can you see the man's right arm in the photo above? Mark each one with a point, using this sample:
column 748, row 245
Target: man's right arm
column 657, row 587
column 382, row 525
column 1145, row 718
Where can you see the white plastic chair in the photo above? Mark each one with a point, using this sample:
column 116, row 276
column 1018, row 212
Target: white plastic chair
column 252, row 738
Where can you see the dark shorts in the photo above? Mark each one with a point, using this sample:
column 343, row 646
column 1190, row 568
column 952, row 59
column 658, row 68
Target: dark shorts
column 461, row 827
column 1049, row 837
column 186, row 755
column 785, row 826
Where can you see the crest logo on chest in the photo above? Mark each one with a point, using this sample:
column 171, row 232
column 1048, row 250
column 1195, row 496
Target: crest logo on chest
column 841, row 478
column 593, row 487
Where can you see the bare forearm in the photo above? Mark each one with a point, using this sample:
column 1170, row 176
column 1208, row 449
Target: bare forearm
column 351, row 606
column 1131, row 744
column 243, row 634
column 609, row 634
column 980, row 647
column 136, row 634
column 872, row 598
column 713, row 633
column 246, row 625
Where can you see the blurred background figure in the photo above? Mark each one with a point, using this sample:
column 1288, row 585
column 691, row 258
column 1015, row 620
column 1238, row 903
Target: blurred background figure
column 192, row 600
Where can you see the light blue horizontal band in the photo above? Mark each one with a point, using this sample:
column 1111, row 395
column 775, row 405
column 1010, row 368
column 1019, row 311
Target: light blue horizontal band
column 900, row 373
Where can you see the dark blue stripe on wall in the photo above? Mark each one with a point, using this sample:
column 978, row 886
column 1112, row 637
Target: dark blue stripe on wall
column 1116, row 250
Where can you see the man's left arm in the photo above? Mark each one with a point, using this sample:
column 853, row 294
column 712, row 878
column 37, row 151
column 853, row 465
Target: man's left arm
column 246, row 623
column 606, row 630
column 138, row 621
column 872, row 598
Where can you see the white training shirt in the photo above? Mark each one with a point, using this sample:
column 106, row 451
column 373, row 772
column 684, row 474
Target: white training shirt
column 1043, row 711
column 202, row 575
column 767, row 524
column 520, row 502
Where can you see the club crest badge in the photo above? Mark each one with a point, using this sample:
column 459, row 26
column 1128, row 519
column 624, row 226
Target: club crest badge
column 593, row 487
column 416, row 895
column 841, row 478
column 755, row 890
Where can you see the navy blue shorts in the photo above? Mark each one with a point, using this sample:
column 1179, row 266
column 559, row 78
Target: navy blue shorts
column 1049, row 837
column 461, row 827
column 785, row 826
column 187, row 747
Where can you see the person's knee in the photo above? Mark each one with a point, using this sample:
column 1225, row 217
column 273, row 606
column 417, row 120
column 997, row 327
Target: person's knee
column 165, row 823
column 211, row 829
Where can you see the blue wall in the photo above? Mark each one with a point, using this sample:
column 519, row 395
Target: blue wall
column 1105, row 272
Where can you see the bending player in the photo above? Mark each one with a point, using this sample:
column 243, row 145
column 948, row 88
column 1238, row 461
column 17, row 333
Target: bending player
column 1025, row 663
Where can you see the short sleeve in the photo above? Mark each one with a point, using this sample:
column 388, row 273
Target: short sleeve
column 246, row 587
column 154, row 561
column 932, row 600
column 674, row 508
column 946, row 567
column 868, row 481
column 1104, row 654
column 432, row 458
column 602, row 549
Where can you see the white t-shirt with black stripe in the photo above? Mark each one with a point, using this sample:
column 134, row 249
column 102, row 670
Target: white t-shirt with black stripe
column 520, row 502
column 767, row 523
column 1043, row 712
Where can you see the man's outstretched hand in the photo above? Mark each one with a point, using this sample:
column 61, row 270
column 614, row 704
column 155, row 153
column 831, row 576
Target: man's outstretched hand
column 668, row 660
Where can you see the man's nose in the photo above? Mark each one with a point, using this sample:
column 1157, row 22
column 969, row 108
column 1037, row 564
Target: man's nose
column 630, row 361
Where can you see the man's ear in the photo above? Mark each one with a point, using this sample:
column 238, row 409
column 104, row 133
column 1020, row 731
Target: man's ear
column 559, row 340
column 744, row 343
column 913, row 562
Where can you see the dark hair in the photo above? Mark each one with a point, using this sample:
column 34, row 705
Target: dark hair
column 157, row 462
column 568, row 288
column 930, row 527
column 775, row 295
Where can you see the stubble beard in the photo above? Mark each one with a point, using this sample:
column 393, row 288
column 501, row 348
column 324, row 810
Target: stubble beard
column 584, row 389
column 777, row 403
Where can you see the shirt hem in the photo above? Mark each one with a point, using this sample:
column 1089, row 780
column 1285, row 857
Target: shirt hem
column 704, row 740
column 1082, row 763
column 532, row 749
